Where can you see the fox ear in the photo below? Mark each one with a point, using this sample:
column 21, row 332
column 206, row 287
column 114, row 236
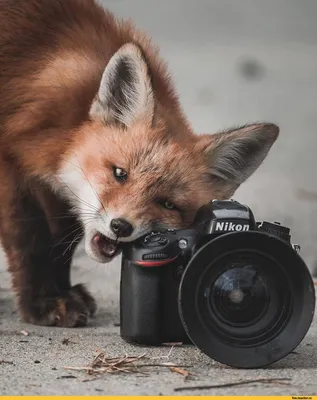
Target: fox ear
column 234, row 155
column 125, row 93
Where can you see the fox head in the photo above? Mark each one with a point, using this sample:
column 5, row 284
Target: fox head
column 134, row 166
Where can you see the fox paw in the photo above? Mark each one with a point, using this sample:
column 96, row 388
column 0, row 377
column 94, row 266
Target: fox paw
column 71, row 309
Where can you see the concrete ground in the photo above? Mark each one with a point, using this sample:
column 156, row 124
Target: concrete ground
column 233, row 63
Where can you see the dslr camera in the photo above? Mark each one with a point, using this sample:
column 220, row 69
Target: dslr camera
column 236, row 288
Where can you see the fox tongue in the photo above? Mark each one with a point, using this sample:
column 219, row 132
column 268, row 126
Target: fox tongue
column 107, row 247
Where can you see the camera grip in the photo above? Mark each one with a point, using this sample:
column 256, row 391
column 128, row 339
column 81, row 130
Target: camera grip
column 140, row 303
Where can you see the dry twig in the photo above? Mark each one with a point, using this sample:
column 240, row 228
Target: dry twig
column 181, row 371
column 102, row 364
column 279, row 381
column 167, row 355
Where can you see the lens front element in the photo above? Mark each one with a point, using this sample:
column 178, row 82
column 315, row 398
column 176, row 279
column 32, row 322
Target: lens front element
column 240, row 296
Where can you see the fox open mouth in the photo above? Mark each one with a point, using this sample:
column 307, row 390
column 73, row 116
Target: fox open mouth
column 107, row 247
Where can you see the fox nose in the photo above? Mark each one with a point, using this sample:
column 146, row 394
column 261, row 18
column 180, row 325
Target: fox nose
column 121, row 227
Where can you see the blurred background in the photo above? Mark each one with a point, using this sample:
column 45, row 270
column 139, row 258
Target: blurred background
column 237, row 62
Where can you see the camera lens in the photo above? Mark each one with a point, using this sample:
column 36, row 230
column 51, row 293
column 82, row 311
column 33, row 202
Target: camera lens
column 246, row 299
column 240, row 296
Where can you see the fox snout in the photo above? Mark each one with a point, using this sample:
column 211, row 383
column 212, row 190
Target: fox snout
column 121, row 227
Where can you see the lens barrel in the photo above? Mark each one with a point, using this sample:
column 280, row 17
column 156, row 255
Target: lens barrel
column 246, row 299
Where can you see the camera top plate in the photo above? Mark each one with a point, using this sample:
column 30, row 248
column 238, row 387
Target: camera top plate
column 161, row 248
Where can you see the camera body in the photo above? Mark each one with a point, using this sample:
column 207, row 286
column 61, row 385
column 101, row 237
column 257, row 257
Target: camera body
column 164, row 296
column 152, row 268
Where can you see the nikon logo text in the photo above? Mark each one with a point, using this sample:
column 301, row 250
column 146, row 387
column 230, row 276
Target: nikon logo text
column 230, row 226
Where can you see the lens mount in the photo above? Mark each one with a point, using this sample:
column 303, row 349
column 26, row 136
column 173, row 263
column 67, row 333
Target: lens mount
column 246, row 299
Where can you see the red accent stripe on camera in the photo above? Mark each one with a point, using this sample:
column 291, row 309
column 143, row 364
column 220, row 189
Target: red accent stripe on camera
column 155, row 263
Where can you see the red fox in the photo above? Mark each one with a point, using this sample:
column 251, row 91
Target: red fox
column 94, row 144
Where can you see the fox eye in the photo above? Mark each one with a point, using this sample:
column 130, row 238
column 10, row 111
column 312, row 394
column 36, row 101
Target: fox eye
column 120, row 174
column 167, row 204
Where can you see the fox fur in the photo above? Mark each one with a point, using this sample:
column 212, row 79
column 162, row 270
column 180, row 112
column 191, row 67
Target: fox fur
column 92, row 131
